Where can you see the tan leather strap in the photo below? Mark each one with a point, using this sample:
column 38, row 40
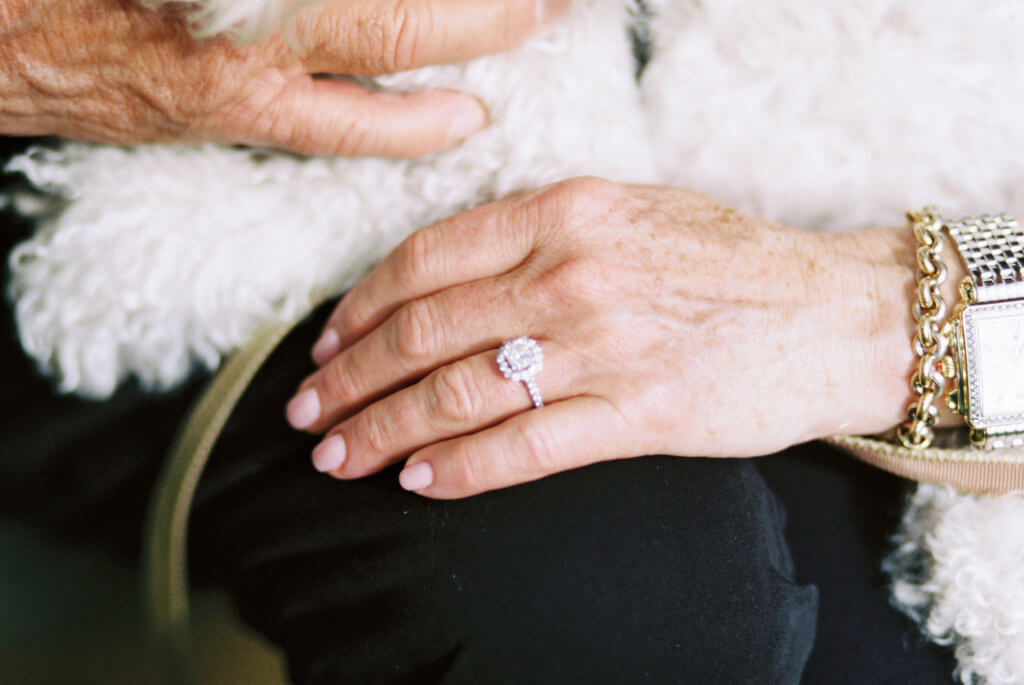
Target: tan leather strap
column 966, row 468
column 166, row 538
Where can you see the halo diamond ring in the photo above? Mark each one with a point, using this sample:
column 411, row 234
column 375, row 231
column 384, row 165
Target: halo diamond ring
column 521, row 359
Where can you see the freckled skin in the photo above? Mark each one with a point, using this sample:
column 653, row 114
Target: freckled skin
column 744, row 323
column 113, row 71
column 121, row 73
column 689, row 328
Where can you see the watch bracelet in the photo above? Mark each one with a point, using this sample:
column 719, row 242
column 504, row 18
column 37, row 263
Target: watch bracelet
column 992, row 249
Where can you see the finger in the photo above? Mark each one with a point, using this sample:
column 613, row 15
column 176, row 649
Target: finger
column 422, row 335
column 454, row 400
column 327, row 117
column 367, row 37
column 486, row 241
column 531, row 445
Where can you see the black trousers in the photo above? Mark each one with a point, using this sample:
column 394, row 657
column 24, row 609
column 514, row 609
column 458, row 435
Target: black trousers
column 656, row 569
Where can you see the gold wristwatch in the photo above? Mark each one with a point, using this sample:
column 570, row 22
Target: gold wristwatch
column 986, row 331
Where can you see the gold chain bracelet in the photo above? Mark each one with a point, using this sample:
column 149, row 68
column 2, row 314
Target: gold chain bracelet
column 931, row 342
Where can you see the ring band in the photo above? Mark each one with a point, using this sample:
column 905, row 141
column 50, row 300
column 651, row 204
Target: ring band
column 521, row 359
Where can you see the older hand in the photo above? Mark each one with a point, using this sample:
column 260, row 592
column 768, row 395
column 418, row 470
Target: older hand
column 109, row 70
column 669, row 324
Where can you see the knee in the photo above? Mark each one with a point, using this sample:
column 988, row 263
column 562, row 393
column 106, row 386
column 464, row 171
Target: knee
column 659, row 567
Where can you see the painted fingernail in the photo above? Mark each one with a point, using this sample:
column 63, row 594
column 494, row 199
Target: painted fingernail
column 467, row 120
column 303, row 409
column 416, row 477
column 329, row 455
column 326, row 347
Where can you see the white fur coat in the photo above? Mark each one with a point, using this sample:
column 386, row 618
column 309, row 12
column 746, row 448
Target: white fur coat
column 823, row 114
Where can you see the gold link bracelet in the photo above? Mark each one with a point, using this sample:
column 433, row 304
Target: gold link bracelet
column 931, row 342
column 921, row 451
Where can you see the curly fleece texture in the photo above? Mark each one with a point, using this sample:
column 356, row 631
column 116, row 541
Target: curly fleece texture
column 825, row 115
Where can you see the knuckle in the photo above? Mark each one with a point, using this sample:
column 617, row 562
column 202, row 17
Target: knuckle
column 651, row 403
column 538, row 448
column 415, row 258
column 336, row 383
column 588, row 195
column 578, row 205
column 406, row 28
column 259, row 111
column 573, row 278
column 374, row 432
column 416, row 333
column 357, row 134
column 469, row 475
column 454, row 395
column 357, row 310
column 349, row 318
column 368, row 34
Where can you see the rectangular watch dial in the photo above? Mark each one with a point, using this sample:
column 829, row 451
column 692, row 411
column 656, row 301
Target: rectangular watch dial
column 994, row 353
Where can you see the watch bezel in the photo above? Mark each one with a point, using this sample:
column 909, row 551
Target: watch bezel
column 971, row 380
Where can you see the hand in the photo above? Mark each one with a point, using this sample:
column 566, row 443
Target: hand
column 111, row 71
column 669, row 323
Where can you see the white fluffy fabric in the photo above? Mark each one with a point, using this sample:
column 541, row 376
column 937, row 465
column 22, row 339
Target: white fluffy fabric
column 958, row 569
column 826, row 115
column 837, row 114
column 164, row 256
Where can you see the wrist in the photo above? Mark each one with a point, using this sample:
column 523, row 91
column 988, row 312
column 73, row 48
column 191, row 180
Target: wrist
column 877, row 273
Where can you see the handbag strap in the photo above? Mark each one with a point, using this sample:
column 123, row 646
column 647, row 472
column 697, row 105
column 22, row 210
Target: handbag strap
column 966, row 468
column 165, row 563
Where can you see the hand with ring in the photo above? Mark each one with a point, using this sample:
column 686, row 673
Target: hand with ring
column 661, row 321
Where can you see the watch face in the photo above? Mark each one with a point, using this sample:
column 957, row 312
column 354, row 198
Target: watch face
column 994, row 352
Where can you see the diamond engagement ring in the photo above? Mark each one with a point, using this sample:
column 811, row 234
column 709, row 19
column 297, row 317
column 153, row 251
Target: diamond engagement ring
column 521, row 359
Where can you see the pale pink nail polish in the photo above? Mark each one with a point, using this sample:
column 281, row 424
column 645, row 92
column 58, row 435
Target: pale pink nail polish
column 416, row 477
column 304, row 409
column 329, row 454
column 326, row 347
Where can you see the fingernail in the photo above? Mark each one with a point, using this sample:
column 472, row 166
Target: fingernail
column 303, row 409
column 416, row 477
column 326, row 347
column 551, row 9
column 467, row 120
column 329, row 454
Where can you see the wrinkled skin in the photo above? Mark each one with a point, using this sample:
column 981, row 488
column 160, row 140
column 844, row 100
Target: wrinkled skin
column 111, row 71
column 669, row 324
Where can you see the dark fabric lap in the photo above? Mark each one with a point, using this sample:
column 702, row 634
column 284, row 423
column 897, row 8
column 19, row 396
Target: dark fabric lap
column 653, row 568
column 656, row 568
column 841, row 513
